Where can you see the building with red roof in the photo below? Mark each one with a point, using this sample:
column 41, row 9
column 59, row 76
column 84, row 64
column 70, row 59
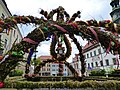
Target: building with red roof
column 51, row 69
column 97, row 58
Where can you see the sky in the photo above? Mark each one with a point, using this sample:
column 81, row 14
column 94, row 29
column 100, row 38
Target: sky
column 90, row 9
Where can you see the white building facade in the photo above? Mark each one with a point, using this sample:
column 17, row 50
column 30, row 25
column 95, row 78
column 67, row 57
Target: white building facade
column 97, row 58
column 55, row 69
column 14, row 34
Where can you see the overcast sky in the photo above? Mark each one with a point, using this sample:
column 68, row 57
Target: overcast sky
column 91, row 9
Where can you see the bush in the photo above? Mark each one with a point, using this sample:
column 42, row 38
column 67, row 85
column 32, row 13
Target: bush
column 100, row 72
column 115, row 73
column 16, row 72
column 51, row 78
column 96, row 85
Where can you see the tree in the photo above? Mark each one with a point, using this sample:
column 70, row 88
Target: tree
column 35, row 62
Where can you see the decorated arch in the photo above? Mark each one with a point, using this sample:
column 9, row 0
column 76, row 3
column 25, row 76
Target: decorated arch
column 104, row 32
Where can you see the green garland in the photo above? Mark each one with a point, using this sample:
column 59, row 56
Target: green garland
column 70, row 25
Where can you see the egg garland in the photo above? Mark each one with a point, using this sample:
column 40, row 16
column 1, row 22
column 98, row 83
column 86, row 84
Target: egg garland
column 62, row 27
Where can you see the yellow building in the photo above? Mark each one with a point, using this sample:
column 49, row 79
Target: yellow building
column 45, row 70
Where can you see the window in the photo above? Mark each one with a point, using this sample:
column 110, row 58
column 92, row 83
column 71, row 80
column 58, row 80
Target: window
column 53, row 69
column 114, row 61
column 84, row 56
column 53, row 65
column 107, row 62
column 43, row 69
column 94, row 53
column 92, row 64
column 99, row 51
column 48, row 65
column 5, row 43
column 91, row 54
column 3, row 16
column 43, row 74
column 87, row 55
column 96, row 63
column 88, row 65
column 48, row 69
column 101, row 63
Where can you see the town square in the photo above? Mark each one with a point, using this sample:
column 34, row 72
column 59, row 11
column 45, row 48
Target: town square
column 59, row 47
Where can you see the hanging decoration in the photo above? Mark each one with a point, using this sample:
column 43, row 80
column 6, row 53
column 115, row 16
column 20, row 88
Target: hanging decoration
column 30, row 55
column 53, row 44
column 103, row 31
column 80, row 53
column 29, row 41
column 28, row 60
column 3, row 58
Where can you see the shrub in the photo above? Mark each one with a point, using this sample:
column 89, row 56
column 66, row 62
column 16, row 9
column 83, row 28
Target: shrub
column 115, row 73
column 100, row 72
column 96, row 85
column 16, row 72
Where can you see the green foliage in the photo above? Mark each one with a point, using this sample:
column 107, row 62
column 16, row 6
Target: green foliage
column 112, row 72
column 49, row 78
column 16, row 72
column 115, row 73
column 97, row 85
column 100, row 72
column 36, row 62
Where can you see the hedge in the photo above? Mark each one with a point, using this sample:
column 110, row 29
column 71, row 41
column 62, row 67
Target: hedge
column 51, row 78
column 100, row 72
column 107, row 85
column 16, row 72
